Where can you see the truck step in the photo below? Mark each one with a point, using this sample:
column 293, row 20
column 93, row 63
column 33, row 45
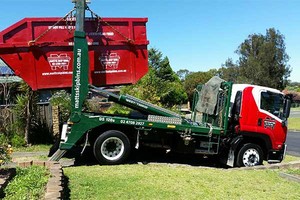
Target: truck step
column 58, row 155
column 206, row 152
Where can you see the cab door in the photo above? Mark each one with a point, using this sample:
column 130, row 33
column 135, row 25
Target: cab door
column 271, row 116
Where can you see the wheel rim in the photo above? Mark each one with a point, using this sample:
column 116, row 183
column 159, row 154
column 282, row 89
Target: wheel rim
column 112, row 148
column 251, row 157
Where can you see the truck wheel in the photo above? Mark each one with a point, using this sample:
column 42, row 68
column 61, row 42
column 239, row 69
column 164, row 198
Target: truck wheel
column 111, row 147
column 249, row 155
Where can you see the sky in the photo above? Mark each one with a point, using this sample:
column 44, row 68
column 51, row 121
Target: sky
column 197, row 35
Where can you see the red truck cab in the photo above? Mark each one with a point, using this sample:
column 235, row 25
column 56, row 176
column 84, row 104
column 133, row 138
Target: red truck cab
column 259, row 116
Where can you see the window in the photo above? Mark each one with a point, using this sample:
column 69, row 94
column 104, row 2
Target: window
column 273, row 103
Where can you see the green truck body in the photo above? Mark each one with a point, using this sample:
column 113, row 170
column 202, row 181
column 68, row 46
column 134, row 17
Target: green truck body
column 112, row 137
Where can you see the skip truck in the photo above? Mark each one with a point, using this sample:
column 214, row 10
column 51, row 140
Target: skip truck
column 242, row 124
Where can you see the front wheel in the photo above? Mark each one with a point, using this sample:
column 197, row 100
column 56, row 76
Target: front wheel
column 249, row 155
column 112, row 147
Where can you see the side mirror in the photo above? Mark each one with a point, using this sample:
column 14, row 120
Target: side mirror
column 287, row 108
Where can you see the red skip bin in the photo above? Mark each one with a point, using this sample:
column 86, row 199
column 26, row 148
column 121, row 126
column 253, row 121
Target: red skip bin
column 40, row 51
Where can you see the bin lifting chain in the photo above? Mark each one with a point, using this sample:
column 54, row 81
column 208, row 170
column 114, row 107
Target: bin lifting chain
column 100, row 19
column 32, row 42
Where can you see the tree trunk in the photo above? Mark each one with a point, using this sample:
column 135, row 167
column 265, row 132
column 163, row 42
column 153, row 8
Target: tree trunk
column 28, row 119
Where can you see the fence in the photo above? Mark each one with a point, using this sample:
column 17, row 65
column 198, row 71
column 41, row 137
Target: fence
column 43, row 115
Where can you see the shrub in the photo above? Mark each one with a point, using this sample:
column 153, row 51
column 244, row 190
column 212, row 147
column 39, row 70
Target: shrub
column 17, row 140
column 117, row 109
column 29, row 183
column 5, row 151
column 12, row 137
column 62, row 99
column 3, row 139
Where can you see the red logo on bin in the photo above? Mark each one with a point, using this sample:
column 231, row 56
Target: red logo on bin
column 60, row 61
column 110, row 61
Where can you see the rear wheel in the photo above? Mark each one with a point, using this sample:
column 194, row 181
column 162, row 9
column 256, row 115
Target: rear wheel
column 111, row 147
column 249, row 155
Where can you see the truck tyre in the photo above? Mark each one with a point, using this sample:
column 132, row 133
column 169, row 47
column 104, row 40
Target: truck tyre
column 112, row 147
column 249, row 155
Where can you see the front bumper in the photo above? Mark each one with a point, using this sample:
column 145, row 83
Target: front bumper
column 276, row 156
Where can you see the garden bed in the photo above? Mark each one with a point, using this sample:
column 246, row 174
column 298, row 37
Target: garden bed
column 33, row 180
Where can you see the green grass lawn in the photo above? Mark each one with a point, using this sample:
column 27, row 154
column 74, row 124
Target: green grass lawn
column 294, row 123
column 176, row 182
column 33, row 148
column 289, row 158
column 294, row 171
column 295, row 109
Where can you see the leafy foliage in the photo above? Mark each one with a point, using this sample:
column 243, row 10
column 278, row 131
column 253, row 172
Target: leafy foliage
column 161, row 85
column 29, row 183
column 263, row 60
column 294, row 88
column 230, row 71
column 183, row 73
column 62, row 99
column 20, row 110
column 146, row 88
column 5, row 151
column 25, row 107
column 118, row 110
column 8, row 91
column 26, row 128
column 17, row 140
column 196, row 78
column 12, row 136
column 16, row 133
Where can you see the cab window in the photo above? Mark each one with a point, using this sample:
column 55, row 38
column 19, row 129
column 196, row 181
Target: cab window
column 273, row 103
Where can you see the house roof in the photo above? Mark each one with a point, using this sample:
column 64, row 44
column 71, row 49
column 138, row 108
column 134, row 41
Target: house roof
column 9, row 79
column 7, row 75
column 5, row 70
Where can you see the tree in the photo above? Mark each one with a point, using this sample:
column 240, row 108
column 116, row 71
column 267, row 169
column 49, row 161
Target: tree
column 263, row 60
column 183, row 73
column 229, row 71
column 161, row 85
column 196, row 78
column 62, row 99
column 146, row 88
column 25, row 107
column 161, row 65
column 293, row 86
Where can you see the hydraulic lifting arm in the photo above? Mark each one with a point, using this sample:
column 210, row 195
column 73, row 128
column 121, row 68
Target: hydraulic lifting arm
column 80, row 64
column 79, row 79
